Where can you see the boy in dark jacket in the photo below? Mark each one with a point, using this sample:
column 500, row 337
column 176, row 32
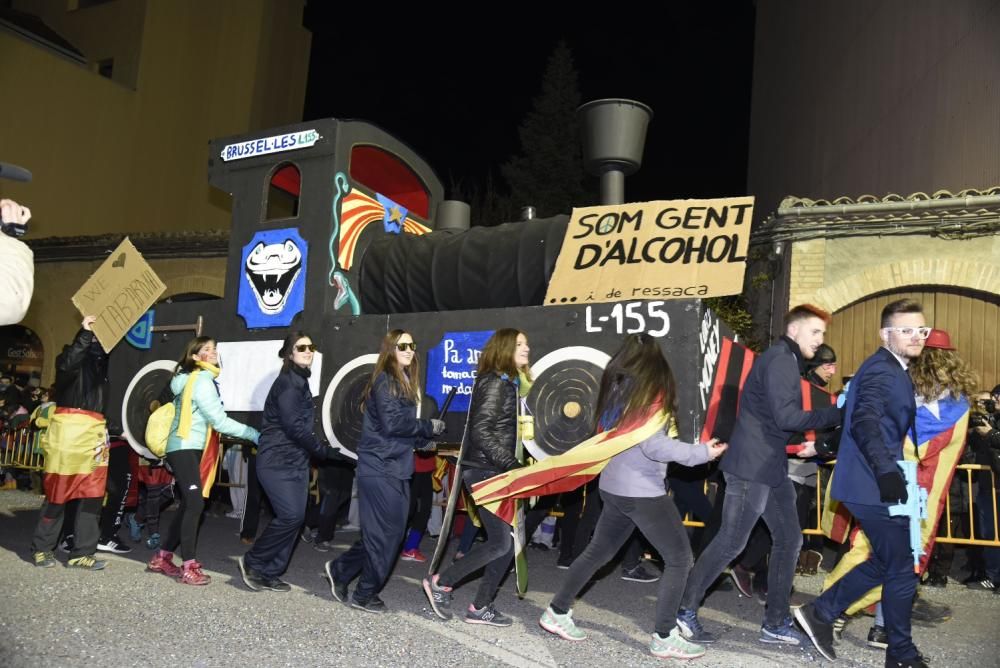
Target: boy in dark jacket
column 756, row 472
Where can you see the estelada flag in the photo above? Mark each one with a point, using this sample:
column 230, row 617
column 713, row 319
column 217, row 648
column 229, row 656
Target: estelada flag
column 941, row 428
column 731, row 371
column 567, row 471
column 76, row 456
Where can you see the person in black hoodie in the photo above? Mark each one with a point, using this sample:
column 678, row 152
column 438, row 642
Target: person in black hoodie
column 287, row 442
column 390, row 432
column 80, row 392
column 488, row 449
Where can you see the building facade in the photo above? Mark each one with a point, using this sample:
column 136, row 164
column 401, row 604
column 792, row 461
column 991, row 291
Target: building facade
column 118, row 100
column 880, row 119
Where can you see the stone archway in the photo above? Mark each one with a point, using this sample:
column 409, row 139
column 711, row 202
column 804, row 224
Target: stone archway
column 971, row 317
column 949, row 272
column 194, row 283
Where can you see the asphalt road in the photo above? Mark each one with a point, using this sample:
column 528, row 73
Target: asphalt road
column 124, row 616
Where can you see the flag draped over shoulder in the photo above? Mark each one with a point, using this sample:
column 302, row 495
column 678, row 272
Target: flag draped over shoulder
column 209, row 461
column 567, row 471
column 941, row 427
column 76, row 456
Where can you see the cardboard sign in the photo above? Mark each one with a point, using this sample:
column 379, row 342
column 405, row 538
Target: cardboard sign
column 653, row 250
column 119, row 293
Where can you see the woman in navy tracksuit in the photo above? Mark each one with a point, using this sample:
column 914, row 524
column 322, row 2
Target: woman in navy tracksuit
column 390, row 432
column 287, row 442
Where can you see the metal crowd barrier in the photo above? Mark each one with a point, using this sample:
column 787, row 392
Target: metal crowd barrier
column 19, row 449
column 963, row 475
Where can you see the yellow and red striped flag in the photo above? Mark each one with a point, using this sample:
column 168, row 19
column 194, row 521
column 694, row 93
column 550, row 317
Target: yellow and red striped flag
column 76, row 456
column 942, row 424
column 567, row 471
column 209, row 462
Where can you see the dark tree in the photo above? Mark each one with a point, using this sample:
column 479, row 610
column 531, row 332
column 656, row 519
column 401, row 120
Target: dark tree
column 547, row 172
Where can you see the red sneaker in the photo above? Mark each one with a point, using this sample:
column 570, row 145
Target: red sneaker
column 163, row 562
column 413, row 555
column 193, row 575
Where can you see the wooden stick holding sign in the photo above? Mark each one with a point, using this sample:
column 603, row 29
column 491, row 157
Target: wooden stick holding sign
column 119, row 293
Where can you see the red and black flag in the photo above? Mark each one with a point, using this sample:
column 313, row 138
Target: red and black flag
column 731, row 371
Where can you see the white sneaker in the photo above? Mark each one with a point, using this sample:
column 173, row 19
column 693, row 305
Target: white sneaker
column 561, row 625
column 114, row 546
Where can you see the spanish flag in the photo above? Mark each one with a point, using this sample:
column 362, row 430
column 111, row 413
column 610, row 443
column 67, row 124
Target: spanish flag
column 76, row 456
column 567, row 471
column 942, row 424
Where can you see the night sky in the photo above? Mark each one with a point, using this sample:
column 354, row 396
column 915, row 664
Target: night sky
column 457, row 96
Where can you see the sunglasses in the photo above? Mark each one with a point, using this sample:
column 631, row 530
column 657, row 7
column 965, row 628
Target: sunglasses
column 402, row 347
column 302, row 347
column 906, row 332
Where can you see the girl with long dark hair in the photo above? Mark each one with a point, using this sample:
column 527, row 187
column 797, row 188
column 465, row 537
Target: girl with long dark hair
column 287, row 442
column 192, row 450
column 390, row 432
column 503, row 377
column 638, row 386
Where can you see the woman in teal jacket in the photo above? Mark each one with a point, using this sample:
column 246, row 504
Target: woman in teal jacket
column 198, row 418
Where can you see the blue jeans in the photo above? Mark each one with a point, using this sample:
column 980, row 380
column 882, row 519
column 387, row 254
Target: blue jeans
column 745, row 502
column 658, row 520
column 890, row 565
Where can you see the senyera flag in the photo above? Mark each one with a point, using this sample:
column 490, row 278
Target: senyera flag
column 567, row 471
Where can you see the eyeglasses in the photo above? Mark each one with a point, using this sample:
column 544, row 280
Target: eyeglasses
column 302, row 347
column 907, row 332
column 402, row 347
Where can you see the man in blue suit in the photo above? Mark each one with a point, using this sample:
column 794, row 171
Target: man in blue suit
column 879, row 412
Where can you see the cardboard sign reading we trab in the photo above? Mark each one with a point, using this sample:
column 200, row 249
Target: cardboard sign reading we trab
column 119, row 293
column 653, row 250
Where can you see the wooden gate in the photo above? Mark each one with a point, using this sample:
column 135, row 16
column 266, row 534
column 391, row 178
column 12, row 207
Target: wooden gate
column 972, row 319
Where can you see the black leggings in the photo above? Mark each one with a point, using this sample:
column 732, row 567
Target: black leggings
column 184, row 527
column 116, row 494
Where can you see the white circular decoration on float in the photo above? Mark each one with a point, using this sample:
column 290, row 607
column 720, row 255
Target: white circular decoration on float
column 158, row 365
column 350, row 366
column 598, row 358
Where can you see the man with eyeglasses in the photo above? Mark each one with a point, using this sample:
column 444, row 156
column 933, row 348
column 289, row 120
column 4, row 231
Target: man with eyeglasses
column 879, row 412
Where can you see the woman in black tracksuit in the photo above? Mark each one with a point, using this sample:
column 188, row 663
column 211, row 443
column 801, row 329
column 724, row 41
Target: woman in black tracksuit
column 287, row 442
column 390, row 432
column 488, row 450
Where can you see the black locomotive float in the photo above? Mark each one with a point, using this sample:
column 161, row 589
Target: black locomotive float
column 341, row 230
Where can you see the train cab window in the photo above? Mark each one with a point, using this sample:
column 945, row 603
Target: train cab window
column 387, row 174
column 283, row 192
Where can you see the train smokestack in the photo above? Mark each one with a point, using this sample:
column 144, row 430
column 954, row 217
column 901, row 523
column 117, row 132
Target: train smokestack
column 614, row 134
